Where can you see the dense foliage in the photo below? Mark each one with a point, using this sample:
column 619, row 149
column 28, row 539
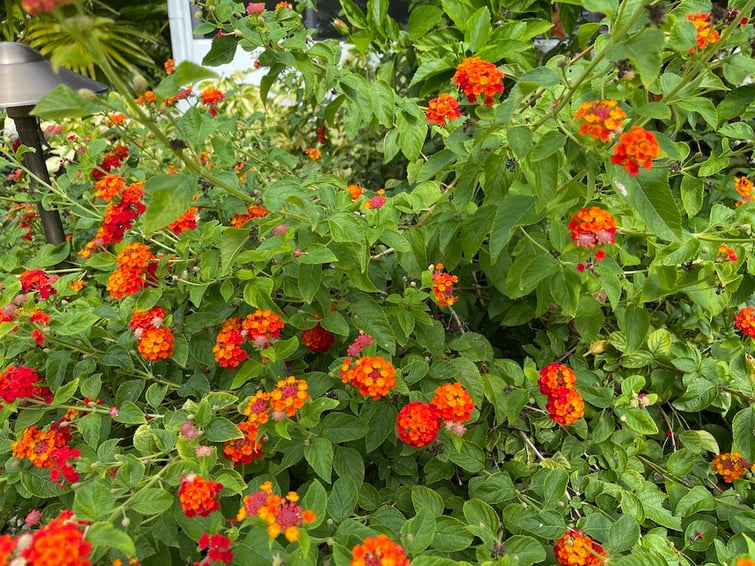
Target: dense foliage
column 454, row 299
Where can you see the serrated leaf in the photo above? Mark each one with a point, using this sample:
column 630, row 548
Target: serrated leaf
column 221, row 429
column 151, row 501
column 104, row 535
column 650, row 195
column 170, row 197
column 478, row 30
column 743, row 433
column 63, row 103
column 319, row 455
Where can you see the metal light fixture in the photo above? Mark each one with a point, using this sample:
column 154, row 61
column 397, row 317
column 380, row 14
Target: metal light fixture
column 25, row 77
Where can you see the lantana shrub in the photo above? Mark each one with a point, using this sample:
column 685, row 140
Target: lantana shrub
column 429, row 294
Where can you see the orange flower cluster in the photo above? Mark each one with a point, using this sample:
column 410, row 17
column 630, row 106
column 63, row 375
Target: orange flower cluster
column 730, row 466
column 48, row 449
column 37, row 280
column 253, row 211
column 601, row 119
column 744, row 188
column 59, row 543
column 726, row 253
column 261, row 326
column 745, row 562
column 281, row 5
column 197, row 495
column 210, row 97
column 244, row 450
column 136, row 267
column 313, row 153
column 288, row 397
column 355, row 191
column 592, row 227
column 705, row 35
column 281, row 514
column 577, row 549
column 443, row 107
column 155, row 341
column 373, row 376
column 476, row 77
column 317, row 339
column 636, row 148
column 452, row 402
column 124, row 206
column 417, row 424
column 147, row 97
column 443, row 286
column 744, row 321
column 169, row 66
column 19, row 382
column 565, row 404
column 379, row 550
column 227, row 349
column 187, row 221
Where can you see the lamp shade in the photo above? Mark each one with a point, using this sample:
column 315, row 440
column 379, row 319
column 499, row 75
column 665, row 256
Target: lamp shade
column 26, row 76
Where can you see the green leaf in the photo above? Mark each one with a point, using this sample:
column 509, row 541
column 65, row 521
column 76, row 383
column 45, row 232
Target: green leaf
column 493, row 488
column 368, row 316
column 342, row 427
column 221, row 429
column 222, row 51
column 640, row 421
column 151, row 501
column 343, row 499
column 524, row 550
column 424, row 497
column 412, row 132
column 451, row 535
column 319, row 455
column 645, row 51
column 92, row 501
column 527, row 271
column 623, row 534
column 547, row 145
column 459, row 12
column 743, row 433
column 105, row 536
column 65, row 392
column 650, row 195
column 170, row 197
column 316, row 499
column 63, row 103
column 478, row 30
column 515, row 210
column 130, row 413
column 74, row 322
column 419, row 531
column 635, row 327
column 422, row 19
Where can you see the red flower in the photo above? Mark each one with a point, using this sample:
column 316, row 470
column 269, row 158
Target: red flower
column 197, row 495
column 592, row 227
column 379, row 550
column 556, row 376
column 577, row 549
column 37, row 280
column 636, row 148
column 452, row 402
column 601, row 119
column 443, row 286
column 317, row 339
column 744, row 321
column 565, row 406
column 417, row 424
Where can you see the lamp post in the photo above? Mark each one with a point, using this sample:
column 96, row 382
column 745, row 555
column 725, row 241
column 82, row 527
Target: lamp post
column 25, row 77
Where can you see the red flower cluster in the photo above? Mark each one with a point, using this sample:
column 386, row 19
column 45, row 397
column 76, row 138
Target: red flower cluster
column 210, row 98
column 227, row 349
column 313, row 153
column 282, row 515
column 244, row 450
column 136, row 268
column 705, row 35
column 187, row 221
column 379, row 550
column 37, row 280
column 443, row 286
column 744, row 188
column 476, row 77
column 197, row 495
column 359, row 344
column 577, row 549
column 59, row 543
column 24, row 214
column 601, row 119
column 373, row 376
column 322, row 134
column 636, row 147
column 730, row 466
column 443, row 107
column 452, row 402
column 36, row 7
column 317, row 339
column 155, row 341
column 417, row 424
column 744, row 321
column 19, row 382
column 592, row 227
column 113, row 159
column 124, row 206
column 565, row 404
column 49, row 449
column 355, row 191
column 253, row 211
column 218, row 549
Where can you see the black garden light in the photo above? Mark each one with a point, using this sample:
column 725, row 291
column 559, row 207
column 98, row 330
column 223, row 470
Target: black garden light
column 25, row 77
